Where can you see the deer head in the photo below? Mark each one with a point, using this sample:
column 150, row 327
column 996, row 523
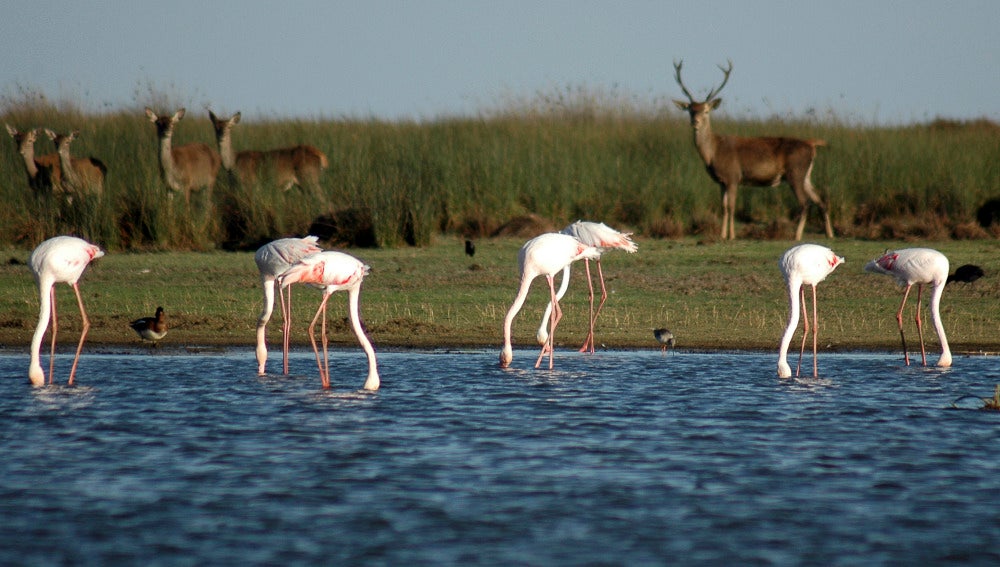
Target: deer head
column 699, row 110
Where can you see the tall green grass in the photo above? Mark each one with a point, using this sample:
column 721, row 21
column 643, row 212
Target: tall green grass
column 565, row 155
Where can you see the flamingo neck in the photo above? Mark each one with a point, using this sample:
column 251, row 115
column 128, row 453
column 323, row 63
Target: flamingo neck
column 945, row 360
column 267, row 283
column 372, row 382
column 785, row 371
column 35, row 372
column 507, row 353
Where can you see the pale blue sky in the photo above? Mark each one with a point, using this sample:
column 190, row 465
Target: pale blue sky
column 867, row 60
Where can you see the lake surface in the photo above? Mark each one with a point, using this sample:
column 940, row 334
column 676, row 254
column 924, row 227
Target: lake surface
column 614, row 458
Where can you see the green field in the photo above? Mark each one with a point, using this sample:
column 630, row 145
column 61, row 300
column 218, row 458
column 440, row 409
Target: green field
column 412, row 191
column 563, row 156
column 712, row 296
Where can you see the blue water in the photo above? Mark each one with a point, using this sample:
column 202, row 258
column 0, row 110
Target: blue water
column 615, row 458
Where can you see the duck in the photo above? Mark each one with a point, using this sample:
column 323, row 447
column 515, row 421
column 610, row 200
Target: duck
column 665, row 338
column 151, row 328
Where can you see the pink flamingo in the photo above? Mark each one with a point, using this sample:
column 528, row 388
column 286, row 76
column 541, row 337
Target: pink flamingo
column 805, row 264
column 332, row 271
column 58, row 260
column 543, row 255
column 604, row 238
column 272, row 259
column 918, row 266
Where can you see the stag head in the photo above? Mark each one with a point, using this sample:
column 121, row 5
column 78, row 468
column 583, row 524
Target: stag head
column 698, row 110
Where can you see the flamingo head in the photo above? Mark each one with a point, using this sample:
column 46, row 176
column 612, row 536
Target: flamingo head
column 506, row 356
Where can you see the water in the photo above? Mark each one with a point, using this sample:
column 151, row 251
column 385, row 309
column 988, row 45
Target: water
column 616, row 458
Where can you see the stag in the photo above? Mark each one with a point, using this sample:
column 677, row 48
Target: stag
column 763, row 161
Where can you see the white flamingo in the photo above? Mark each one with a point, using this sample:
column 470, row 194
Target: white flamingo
column 543, row 255
column 272, row 259
column 604, row 238
column 332, row 271
column 805, row 264
column 918, row 266
column 58, row 260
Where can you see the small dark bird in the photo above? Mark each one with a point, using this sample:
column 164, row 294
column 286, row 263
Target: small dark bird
column 665, row 338
column 151, row 328
column 967, row 273
column 470, row 248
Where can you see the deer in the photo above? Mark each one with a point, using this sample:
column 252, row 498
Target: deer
column 184, row 168
column 44, row 176
column 758, row 161
column 299, row 165
column 80, row 176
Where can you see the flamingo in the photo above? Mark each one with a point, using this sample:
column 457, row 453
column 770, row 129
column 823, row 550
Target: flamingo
column 604, row 238
column 272, row 259
column 543, row 255
column 918, row 266
column 805, row 264
column 332, row 271
column 151, row 328
column 61, row 259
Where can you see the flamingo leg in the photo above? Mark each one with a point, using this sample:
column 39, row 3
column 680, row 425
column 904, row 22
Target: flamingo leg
column 899, row 321
column 284, row 329
column 920, row 328
column 55, row 328
column 83, row 333
column 588, row 343
column 805, row 327
column 312, row 338
column 815, row 333
column 326, row 344
column 554, row 318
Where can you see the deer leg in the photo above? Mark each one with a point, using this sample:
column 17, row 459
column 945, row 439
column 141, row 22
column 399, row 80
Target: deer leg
column 732, row 212
column 810, row 191
column 725, row 210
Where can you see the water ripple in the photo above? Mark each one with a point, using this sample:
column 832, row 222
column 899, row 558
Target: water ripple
column 620, row 457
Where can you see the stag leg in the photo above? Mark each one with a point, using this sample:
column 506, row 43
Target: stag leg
column 728, row 212
column 730, row 208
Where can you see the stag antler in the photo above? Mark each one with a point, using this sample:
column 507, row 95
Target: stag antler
column 677, row 77
column 713, row 92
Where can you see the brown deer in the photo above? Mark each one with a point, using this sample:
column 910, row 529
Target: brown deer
column 765, row 161
column 185, row 168
column 80, row 176
column 44, row 176
column 298, row 165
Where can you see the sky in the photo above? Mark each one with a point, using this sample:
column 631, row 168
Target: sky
column 872, row 61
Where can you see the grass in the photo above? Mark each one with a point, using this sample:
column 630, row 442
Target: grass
column 712, row 296
column 564, row 155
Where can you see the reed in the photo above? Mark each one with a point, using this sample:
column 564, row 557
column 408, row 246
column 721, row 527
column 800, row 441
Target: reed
column 563, row 155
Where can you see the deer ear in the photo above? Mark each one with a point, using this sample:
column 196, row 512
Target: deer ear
column 150, row 114
column 715, row 103
column 236, row 117
column 682, row 105
column 179, row 114
column 50, row 134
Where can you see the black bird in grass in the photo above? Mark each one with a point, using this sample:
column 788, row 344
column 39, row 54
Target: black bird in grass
column 967, row 273
column 665, row 338
column 151, row 328
column 470, row 248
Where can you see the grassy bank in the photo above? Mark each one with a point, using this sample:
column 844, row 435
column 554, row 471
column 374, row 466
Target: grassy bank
column 716, row 296
column 629, row 163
